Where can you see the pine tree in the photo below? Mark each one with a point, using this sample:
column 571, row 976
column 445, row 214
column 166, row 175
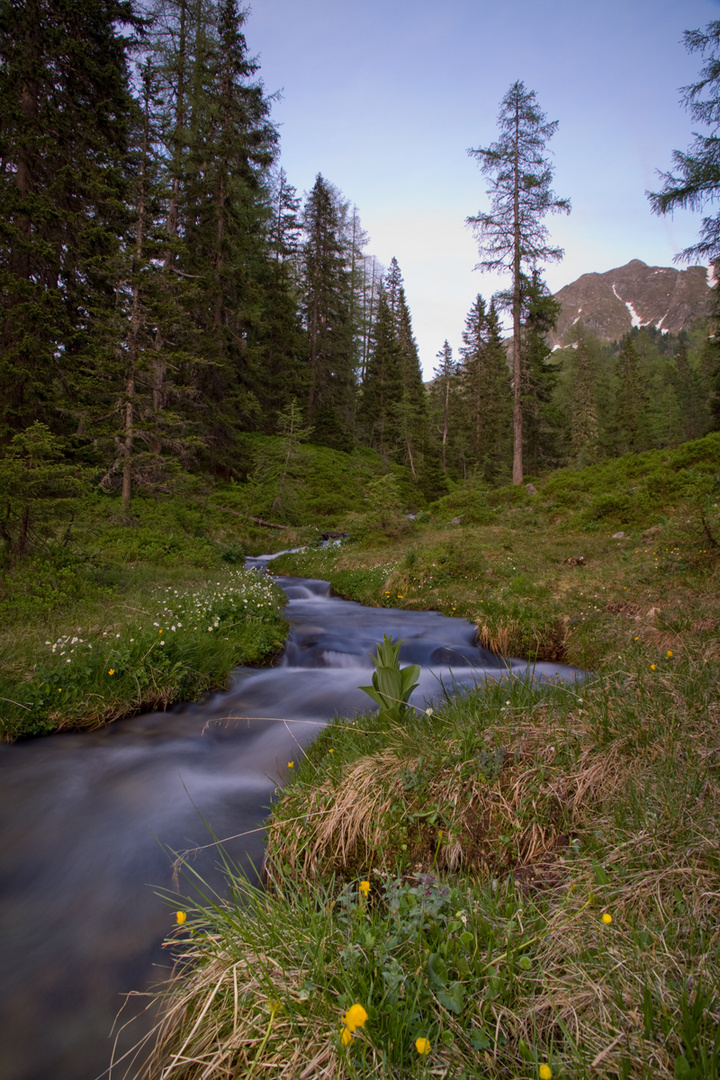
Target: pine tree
column 330, row 332
column 695, row 182
column 65, row 116
column 443, row 393
column 541, row 422
column 382, row 388
column 631, row 400
column 486, row 390
column 511, row 236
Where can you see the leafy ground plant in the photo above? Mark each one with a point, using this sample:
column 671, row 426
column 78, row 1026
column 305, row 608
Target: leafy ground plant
column 391, row 685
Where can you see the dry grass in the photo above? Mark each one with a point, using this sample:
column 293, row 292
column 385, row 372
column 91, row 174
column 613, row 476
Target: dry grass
column 484, row 825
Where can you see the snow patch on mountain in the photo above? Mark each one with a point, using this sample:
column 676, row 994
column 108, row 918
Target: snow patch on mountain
column 634, row 317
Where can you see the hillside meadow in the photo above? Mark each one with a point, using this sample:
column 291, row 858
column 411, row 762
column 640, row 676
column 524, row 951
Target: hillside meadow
column 523, row 881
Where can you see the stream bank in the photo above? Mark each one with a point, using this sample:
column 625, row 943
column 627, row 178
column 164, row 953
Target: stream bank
column 91, row 820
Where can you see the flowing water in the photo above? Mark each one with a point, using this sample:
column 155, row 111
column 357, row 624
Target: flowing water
column 89, row 821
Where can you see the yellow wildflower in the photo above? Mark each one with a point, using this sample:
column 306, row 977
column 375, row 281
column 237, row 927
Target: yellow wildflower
column 355, row 1017
column 331, row 750
column 545, row 1072
column 345, row 1036
column 607, row 918
column 364, row 887
column 291, row 764
column 180, row 917
column 669, row 653
column 652, row 667
column 422, row 1046
column 111, row 671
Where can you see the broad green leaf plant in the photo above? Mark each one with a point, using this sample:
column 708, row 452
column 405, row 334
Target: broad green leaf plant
column 391, row 685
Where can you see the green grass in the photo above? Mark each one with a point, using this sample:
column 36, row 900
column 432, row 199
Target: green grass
column 494, row 833
column 498, row 829
column 86, row 623
column 544, row 576
column 137, row 650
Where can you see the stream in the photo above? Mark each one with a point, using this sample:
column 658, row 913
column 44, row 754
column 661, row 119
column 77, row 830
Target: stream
column 90, row 820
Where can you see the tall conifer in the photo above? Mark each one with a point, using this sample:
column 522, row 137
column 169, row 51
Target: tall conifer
column 327, row 309
column 511, row 236
column 382, row 389
column 65, row 114
column 486, row 391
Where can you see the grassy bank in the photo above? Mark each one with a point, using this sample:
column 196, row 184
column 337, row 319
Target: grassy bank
column 106, row 610
column 142, row 648
column 527, row 877
column 576, row 570
column 524, row 882
column 130, row 614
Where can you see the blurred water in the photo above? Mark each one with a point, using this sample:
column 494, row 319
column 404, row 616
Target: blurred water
column 89, row 820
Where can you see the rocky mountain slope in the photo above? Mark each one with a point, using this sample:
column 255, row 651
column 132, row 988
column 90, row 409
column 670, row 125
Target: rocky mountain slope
column 610, row 304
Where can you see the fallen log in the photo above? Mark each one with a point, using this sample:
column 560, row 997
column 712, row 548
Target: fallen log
column 255, row 520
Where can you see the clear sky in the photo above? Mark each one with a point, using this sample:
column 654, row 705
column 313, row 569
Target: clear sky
column 384, row 98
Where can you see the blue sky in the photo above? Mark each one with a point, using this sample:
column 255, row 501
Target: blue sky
column 384, row 97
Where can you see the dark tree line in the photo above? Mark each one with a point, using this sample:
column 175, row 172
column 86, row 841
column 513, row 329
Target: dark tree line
column 164, row 288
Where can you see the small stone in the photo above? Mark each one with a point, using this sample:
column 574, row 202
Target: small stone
column 531, row 489
column 619, row 536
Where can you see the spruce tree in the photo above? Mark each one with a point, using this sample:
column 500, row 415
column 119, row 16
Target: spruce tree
column 379, row 414
column 631, row 400
column 65, row 117
column 443, row 394
column 511, row 236
column 327, row 310
column 691, row 421
column 414, row 407
column 709, row 365
column 541, row 422
column 146, row 418
column 585, row 362
column 277, row 336
column 486, row 391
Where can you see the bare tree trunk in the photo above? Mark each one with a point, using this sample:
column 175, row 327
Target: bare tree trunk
column 517, row 316
column 446, row 423
column 136, row 315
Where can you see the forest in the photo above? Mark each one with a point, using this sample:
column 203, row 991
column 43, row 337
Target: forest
column 169, row 299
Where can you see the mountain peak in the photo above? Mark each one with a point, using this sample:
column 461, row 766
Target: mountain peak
column 612, row 303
